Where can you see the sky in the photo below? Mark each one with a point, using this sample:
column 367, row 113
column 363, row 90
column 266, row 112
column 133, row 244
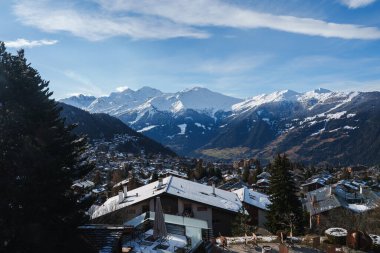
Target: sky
column 240, row 48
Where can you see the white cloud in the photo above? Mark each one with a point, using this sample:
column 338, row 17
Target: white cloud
column 122, row 88
column 353, row 4
column 24, row 43
column 98, row 25
column 163, row 19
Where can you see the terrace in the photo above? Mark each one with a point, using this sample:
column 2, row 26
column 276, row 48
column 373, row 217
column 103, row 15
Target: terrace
column 184, row 234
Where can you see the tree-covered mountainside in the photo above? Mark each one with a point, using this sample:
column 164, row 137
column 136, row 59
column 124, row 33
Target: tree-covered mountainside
column 101, row 125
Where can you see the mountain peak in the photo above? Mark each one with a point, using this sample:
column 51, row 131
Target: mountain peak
column 196, row 89
column 147, row 88
column 322, row 90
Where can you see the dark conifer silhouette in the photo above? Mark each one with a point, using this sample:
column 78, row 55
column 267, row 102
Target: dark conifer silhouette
column 39, row 159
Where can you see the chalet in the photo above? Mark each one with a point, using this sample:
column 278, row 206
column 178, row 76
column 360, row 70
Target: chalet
column 316, row 182
column 176, row 173
column 264, row 183
column 255, row 203
column 356, row 196
column 178, row 197
column 83, row 186
column 319, row 203
column 263, row 175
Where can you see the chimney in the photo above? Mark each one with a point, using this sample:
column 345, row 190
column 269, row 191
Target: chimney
column 159, row 183
column 313, row 200
column 330, row 190
column 121, row 196
column 213, row 189
column 361, row 189
column 125, row 190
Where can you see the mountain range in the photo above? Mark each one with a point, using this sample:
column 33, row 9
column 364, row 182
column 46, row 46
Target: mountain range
column 319, row 126
column 104, row 126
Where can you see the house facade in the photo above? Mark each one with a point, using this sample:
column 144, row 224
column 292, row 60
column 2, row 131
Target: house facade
column 178, row 197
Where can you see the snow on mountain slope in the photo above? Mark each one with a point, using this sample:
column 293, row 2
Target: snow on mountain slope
column 310, row 100
column 118, row 102
column 146, row 98
column 285, row 95
column 80, row 101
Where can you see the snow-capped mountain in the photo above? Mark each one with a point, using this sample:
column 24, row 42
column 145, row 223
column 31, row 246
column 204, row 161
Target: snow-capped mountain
column 118, row 103
column 80, row 101
column 200, row 122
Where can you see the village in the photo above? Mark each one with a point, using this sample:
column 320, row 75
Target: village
column 201, row 202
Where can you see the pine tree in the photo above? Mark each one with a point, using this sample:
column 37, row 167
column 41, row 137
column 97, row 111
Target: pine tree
column 39, row 159
column 240, row 225
column 285, row 211
column 245, row 174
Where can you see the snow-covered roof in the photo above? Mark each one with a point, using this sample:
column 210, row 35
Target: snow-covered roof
column 263, row 180
column 84, row 184
column 264, row 175
column 325, row 200
column 253, row 198
column 134, row 196
column 203, row 193
column 121, row 183
column 174, row 186
column 319, row 180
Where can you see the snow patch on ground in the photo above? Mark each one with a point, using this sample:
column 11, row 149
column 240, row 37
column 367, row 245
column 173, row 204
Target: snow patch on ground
column 182, row 127
column 145, row 129
column 337, row 115
column 349, row 127
column 200, row 125
column 358, row 208
column 319, row 132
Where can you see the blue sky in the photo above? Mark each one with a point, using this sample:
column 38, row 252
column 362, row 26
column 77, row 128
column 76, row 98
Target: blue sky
column 240, row 48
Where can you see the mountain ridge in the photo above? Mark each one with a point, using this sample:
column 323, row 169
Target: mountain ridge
column 261, row 125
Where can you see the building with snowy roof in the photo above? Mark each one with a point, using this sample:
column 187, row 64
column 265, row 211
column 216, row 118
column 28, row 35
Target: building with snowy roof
column 319, row 203
column 178, row 197
column 256, row 203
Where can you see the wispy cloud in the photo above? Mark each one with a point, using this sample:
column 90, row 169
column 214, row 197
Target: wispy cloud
column 354, row 4
column 24, row 43
column 163, row 19
column 98, row 24
column 86, row 85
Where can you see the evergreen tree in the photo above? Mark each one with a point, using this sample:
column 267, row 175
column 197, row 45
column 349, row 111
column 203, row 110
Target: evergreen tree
column 39, row 159
column 285, row 211
column 240, row 225
column 245, row 174
column 154, row 177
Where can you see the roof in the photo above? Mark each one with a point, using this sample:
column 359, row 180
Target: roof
column 324, row 201
column 174, row 186
column 253, row 198
column 203, row 194
column 264, row 175
column 84, row 184
column 121, row 183
column 356, row 201
column 233, row 185
column 263, row 180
